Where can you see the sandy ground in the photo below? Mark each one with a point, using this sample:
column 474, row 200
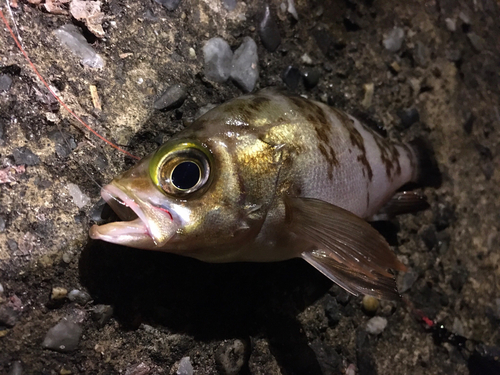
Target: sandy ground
column 282, row 318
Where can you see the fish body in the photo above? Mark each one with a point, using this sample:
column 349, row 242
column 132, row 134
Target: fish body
column 268, row 177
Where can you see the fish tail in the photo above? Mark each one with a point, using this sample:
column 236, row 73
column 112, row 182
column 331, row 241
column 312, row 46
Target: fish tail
column 427, row 170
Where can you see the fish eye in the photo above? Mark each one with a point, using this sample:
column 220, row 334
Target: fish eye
column 185, row 175
column 181, row 169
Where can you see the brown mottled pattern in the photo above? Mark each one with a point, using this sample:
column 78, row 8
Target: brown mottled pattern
column 389, row 155
column 317, row 117
column 356, row 139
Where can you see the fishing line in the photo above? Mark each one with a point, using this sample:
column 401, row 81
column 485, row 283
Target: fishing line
column 53, row 93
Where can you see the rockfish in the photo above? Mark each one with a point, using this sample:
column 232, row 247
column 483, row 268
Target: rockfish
column 269, row 177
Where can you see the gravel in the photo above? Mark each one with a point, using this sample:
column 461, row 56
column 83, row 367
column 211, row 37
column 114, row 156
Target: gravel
column 218, row 59
column 376, row 325
column 185, row 367
column 63, row 337
column 394, row 39
column 79, row 198
column 79, row 297
column 172, row 98
column 5, row 82
column 269, row 31
column 231, row 357
column 102, row 314
column 24, row 155
column 291, row 77
column 244, row 70
column 71, row 37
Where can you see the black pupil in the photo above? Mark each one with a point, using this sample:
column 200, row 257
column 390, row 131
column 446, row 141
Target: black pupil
column 186, row 175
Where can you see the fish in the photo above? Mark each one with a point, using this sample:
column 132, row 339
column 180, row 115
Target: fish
column 268, row 177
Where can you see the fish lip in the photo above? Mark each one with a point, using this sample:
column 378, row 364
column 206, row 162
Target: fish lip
column 139, row 227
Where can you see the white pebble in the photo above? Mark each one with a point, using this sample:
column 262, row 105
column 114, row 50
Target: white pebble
column 394, row 39
column 185, row 367
column 292, row 10
column 306, row 59
column 1, row 288
column 79, row 198
column 376, row 325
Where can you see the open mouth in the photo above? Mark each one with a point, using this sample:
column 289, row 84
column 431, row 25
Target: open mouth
column 132, row 229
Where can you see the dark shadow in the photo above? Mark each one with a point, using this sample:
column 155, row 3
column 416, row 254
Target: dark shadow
column 208, row 301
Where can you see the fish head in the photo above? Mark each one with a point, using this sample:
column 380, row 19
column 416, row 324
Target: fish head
column 202, row 194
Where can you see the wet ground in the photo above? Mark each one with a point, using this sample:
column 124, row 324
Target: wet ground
column 144, row 311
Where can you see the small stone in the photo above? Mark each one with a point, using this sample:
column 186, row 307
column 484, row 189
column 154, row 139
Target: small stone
column 231, row 357
column 368, row 98
column 269, row 31
column 12, row 244
column 394, row 39
column 16, row 368
column 343, row 297
column 451, row 24
column 370, row 304
column 459, row 278
column 453, row 55
column 406, row 281
column 71, row 37
column 185, row 367
column 408, row 117
column 102, row 314
column 171, row 5
column 218, row 58
column 291, row 9
column 5, row 82
column 464, row 17
column 138, row 369
column 429, row 236
column 24, row 155
column 1, row 289
column 192, row 53
column 79, row 296
column 328, row 359
column 244, row 69
column 421, row 54
column 79, row 198
column 444, row 215
column 311, row 78
column 291, row 77
column 90, row 13
column 332, row 312
column 58, row 293
column 2, row 224
column 306, row 59
column 9, row 315
column 63, row 337
column 477, row 42
column 229, row 4
column 376, row 325
column 172, row 98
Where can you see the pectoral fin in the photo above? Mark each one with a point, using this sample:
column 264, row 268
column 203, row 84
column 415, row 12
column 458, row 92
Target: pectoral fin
column 344, row 247
column 403, row 202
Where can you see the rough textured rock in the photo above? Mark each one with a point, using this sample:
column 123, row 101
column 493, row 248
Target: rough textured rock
column 244, row 70
column 218, row 58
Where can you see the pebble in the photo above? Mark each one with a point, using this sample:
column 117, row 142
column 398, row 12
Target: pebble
column 24, row 155
column 429, row 236
column 138, row 369
column 451, row 24
column 370, row 304
column 185, row 367
column 311, row 78
column 2, row 224
column 12, row 244
column 71, row 37
column 477, row 42
column 368, row 98
column 172, row 98
column 9, row 315
column 102, row 314
column 5, row 82
column 332, row 312
column 1, row 289
column 376, row 325
column 291, row 9
column 79, row 198
column 444, row 215
column 244, row 69
column 408, row 117
column 231, row 357
column 459, row 278
column 291, row 77
column 58, row 293
column 171, row 5
column 421, row 54
column 63, row 337
column 343, row 297
column 394, row 39
column 79, row 296
column 16, row 368
column 406, row 281
column 306, row 59
column 269, row 31
column 64, row 143
column 229, row 4
column 328, row 359
column 453, row 55
column 218, row 58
